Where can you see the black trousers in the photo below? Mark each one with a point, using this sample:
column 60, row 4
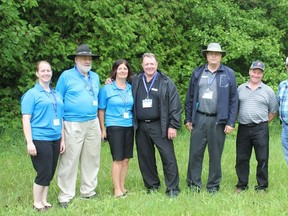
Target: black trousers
column 147, row 135
column 45, row 162
column 256, row 137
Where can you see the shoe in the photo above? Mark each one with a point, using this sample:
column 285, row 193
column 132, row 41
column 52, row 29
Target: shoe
column 239, row 190
column 213, row 190
column 152, row 190
column 48, row 206
column 125, row 192
column 42, row 209
column 172, row 193
column 194, row 188
column 64, row 204
column 90, row 197
column 120, row 196
column 259, row 188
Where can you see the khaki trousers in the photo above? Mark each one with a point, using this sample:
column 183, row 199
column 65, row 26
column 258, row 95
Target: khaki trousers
column 83, row 144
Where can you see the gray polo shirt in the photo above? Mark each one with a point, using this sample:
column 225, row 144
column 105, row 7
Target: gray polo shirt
column 207, row 83
column 255, row 105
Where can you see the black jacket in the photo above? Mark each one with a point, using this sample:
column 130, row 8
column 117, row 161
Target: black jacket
column 169, row 102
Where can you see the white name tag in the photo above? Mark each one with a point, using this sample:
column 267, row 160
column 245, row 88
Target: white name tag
column 208, row 95
column 154, row 89
column 126, row 115
column 56, row 122
column 147, row 103
column 95, row 103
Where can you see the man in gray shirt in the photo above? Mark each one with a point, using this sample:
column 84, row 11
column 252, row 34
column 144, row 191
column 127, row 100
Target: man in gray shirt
column 210, row 113
column 257, row 106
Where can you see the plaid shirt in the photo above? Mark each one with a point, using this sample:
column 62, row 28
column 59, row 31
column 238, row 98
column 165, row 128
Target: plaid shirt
column 282, row 97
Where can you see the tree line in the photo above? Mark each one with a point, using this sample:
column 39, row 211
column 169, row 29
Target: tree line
column 176, row 31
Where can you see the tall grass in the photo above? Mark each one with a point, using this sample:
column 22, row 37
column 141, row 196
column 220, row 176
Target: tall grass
column 17, row 176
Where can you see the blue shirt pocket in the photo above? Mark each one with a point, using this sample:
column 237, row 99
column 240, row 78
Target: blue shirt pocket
column 224, row 82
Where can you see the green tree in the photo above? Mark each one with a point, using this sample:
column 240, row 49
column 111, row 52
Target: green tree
column 176, row 31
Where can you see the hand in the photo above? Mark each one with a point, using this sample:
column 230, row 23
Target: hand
column 108, row 81
column 228, row 129
column 172, row 133
column 188, row 126
column 62, row 147
column 31, row 149
column 103, row 136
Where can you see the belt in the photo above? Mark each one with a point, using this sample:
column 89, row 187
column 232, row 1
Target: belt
column 207, row 114
column 149, row 120
column 253, row 124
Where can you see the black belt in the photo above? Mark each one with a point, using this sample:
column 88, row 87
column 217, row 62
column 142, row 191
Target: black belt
column 253, row 124
column 149, row 120
column 207, row 114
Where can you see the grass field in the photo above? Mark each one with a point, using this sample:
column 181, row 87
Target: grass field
column 17, row 177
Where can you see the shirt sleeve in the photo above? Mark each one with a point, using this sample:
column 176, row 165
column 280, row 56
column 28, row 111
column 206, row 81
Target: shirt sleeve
column 102, row 98
column 28, row 103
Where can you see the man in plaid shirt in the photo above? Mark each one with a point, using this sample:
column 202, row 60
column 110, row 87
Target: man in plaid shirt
column 283, row 112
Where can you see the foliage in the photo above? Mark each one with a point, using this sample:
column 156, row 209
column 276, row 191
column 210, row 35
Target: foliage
column 176, row 31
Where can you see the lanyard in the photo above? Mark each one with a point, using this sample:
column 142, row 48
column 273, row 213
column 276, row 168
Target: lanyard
column 123, row 96
column 53, row 100
column 88, row 85
column 144, row 83
column 209, row 82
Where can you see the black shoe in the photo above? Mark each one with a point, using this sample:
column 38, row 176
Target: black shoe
column 260, row 188
column 172, row 193
column 152, row 190
column 90, row 197
column 64, row 204
column 213, row 190
column 194, row 188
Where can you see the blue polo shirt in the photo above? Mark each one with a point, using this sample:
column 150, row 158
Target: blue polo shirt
column 116, row 101
column 43, row 110
column 80, row 95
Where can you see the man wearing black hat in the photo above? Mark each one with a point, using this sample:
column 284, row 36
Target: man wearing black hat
column 79, row 87
column 210, row 114
column 257, row 106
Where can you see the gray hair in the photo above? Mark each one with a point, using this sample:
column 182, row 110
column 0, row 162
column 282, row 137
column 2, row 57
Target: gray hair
column 149, row 55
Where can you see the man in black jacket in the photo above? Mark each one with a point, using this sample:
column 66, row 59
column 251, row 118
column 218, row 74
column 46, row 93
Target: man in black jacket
column 157, row 116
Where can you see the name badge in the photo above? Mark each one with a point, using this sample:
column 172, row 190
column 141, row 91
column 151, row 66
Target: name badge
column 95, row 103
column 147, row 103
column 208, row 95
column 56, row 122
column 154, row 89
column 126, row 115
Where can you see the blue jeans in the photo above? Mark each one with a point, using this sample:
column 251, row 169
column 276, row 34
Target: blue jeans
column 284, row 140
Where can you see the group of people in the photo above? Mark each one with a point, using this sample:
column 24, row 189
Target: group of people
column 72, row 120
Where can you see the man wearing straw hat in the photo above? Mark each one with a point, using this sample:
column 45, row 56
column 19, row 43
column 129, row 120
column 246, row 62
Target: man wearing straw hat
column 210, row 113
column 79, row 87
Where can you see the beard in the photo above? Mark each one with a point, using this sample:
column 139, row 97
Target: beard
column 83, row 68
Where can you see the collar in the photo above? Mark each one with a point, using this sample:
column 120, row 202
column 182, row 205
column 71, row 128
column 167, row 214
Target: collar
column 40, row 88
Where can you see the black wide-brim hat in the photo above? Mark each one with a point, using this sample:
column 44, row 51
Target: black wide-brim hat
column 83, row 50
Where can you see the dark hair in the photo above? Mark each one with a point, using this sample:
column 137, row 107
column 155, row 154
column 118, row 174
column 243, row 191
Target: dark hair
column 115, row 67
